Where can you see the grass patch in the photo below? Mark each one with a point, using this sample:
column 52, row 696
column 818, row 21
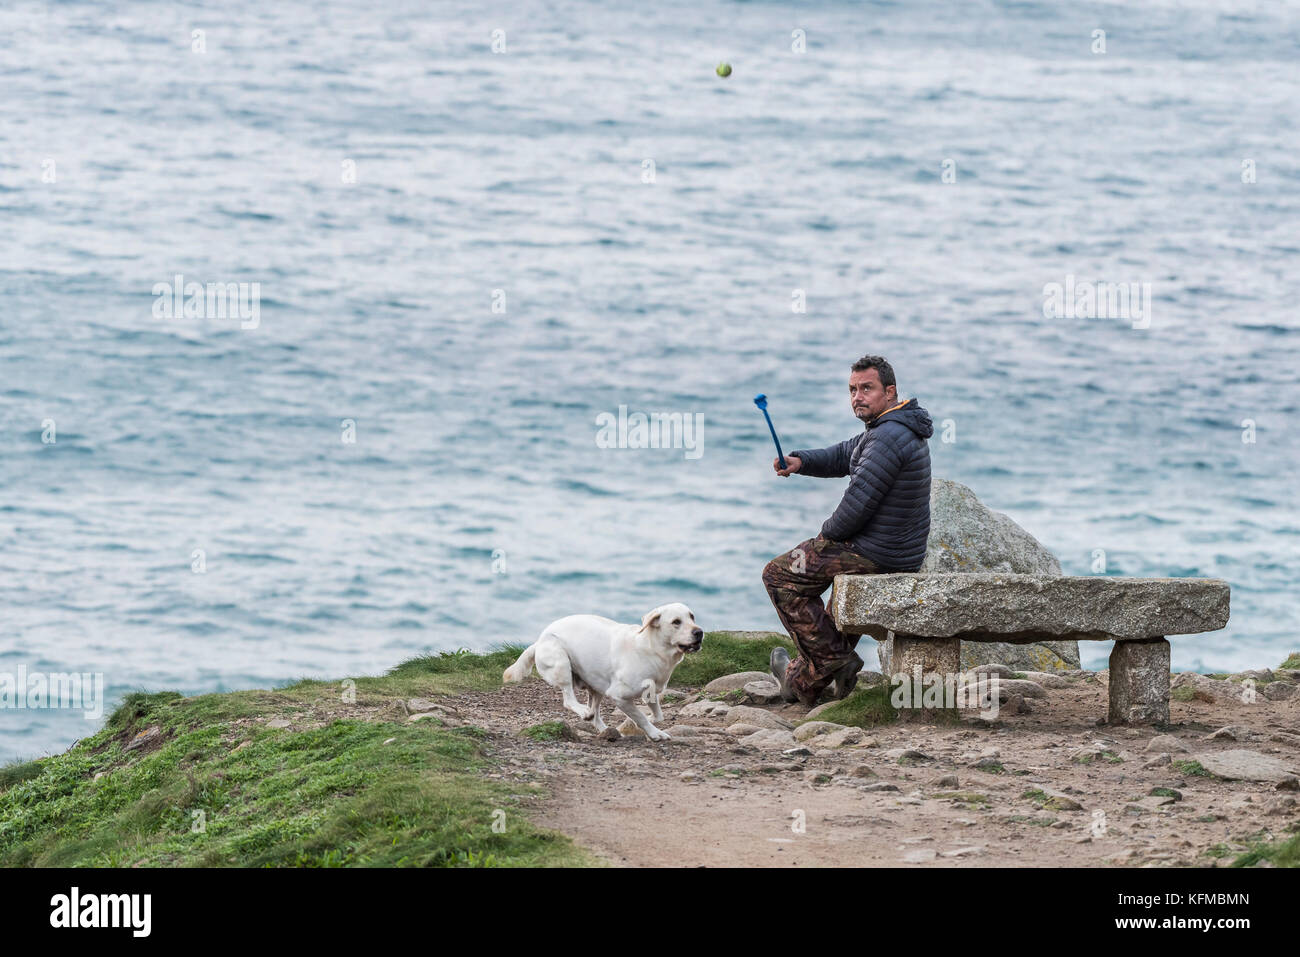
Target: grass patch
column 220, row 788
column 19, row 772
column 1279, row 854
column 722, row 653
column 1292, row 661
column 550, row 731
column 864, row 708
column 1191, row 769
column 1189, row 693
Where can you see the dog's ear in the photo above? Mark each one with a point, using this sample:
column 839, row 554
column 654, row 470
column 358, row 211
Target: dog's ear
column 651, row 620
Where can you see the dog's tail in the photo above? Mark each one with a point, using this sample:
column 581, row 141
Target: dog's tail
column 521, row 668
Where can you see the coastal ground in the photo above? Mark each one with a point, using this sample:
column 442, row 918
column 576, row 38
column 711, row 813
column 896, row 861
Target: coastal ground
column 436, row 763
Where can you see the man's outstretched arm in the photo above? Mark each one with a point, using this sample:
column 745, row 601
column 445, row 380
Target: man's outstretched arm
column 830, row 462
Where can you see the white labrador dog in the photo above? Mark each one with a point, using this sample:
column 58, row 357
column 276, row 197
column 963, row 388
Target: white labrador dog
column 611, row 660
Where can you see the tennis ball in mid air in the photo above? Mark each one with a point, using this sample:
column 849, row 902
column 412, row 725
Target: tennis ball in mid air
column 724, row 69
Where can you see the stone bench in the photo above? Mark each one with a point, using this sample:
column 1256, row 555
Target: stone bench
column 928, row 616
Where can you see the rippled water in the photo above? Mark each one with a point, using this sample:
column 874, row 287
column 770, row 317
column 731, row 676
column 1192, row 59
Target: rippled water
column 475, row 504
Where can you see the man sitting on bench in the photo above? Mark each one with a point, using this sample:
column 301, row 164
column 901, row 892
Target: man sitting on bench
column 880, row 526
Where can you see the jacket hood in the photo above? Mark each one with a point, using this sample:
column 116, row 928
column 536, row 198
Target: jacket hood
column 908, row 413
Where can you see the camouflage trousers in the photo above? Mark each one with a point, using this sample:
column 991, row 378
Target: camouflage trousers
column 795, row 582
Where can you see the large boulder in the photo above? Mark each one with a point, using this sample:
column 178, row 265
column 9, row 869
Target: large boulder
column 968, row 536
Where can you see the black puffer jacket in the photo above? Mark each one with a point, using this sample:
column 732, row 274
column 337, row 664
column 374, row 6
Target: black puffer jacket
column 885, row 512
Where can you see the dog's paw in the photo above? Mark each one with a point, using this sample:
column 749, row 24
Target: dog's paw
column 661, row 736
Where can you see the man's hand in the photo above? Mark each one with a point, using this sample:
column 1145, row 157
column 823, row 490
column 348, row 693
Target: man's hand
column 792, row 465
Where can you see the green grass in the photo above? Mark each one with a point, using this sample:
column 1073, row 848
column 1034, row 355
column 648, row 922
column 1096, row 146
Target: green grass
column 1292, row 661
column 216, row 793
column 220, row 788
column 864, row 708
column 550, row 731
column 1279, row 854
column 1191, row 769
column 721, row 653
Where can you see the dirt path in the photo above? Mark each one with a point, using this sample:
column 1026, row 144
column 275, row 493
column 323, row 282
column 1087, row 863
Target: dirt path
column 707, row 800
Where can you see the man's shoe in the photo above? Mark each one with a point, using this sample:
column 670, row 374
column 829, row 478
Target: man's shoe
column 778, row 663
column 846, row 679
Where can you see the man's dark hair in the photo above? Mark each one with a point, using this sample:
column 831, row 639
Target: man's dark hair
column 882, row 367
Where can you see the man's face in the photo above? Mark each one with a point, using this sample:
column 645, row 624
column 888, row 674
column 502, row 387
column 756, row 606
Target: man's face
column 869, row 399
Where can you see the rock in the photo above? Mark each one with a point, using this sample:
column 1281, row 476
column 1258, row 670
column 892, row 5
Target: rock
column 1159, row 760
column 1139, row 676
column 143, row 739
column 816, row 777
column 389, row 740
column 945, row 781
column 818, row 710
column 906, row 754
column 1208, row 689
column 1233, row 732
column 920, row 855
column 964, row 852
column 685, row 731
column 1279, row 691
column 1165, row 742
column 735, row 682
column 609, row 734
column 741, row 729
column 279, row 723
column 1045, row 680
column 769, row 739
column 800, row 752
column 757, row 716
column 417, row 705
column 968, row 536
column 762, row 692
column 689, row 776
column 704, row 709
column 1002, row 671
column 1151, row 802
column 1285, row 737
column 628, row 729
column 880, row 786
column 1254, row 674
column 1288, row 783
column 1028, row 607
column 1242, row 765
column 839, row 739
column 1058, row 800
column 1008, row 687
column 865, row 771
column 810, row 729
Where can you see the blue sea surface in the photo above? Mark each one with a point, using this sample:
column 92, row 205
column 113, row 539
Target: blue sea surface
column 592, row 218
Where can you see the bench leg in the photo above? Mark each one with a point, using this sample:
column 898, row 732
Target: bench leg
column 1139, row 682
column 941, row 656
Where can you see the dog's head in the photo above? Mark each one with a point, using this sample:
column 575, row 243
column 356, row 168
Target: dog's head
column 673, row 626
